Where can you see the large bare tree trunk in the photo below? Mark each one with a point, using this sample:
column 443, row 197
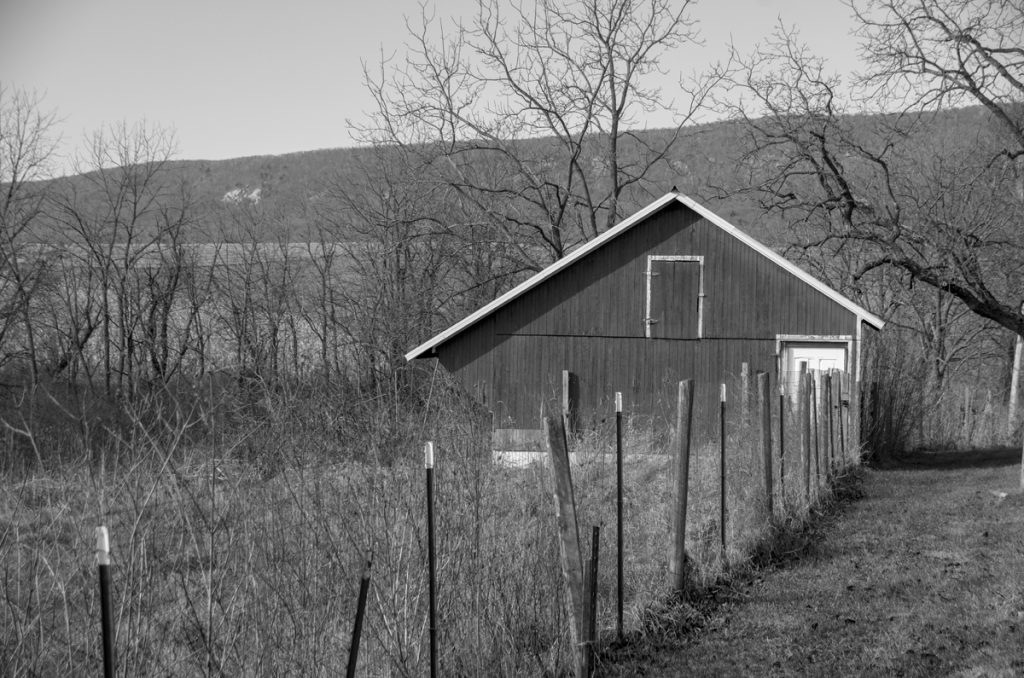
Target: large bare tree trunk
column 1011, row 415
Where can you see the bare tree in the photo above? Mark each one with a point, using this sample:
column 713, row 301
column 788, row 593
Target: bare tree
column 403, row 266
column 934, row 54
column 27, row 145
column 260, row 282
column 123, row 214
column 527, row 113
column 321, row 310
column 893, row 191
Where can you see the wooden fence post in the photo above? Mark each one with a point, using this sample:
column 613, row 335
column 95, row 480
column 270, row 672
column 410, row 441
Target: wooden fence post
column 721, row 467
column 745, row 391
column 570, row 402
column 618, row 514
column 805, row 428
column 831, row 447
column 842, row 427
column 872, row 420
column 782, row 444
column 677, row 565
column 764, row 400
column 816, row 413
column 569, row 536
column 852, row 413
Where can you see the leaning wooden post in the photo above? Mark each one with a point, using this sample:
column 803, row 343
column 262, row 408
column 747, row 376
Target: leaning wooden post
column 569, row 536
column 805, row 428
column 428, row 463
column 765, row 402
column 677, row 566
column 618, row 517
column 106, row 601
column 721, row 466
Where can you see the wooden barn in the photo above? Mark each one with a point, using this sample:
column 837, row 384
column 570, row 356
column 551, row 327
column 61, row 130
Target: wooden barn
column 672, row 292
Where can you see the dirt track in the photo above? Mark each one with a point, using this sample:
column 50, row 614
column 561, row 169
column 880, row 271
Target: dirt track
column 922, row 576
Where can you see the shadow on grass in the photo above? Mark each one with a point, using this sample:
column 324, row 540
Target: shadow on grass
column 950, row 460
column 667, row 624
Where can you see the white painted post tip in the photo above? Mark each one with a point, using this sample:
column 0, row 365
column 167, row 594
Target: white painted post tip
column 618, row 401
column 428, row 455
column 102, row 545
column 723, row 393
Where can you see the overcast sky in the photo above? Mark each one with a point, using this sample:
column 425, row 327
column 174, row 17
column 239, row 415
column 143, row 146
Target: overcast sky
column 236, row 78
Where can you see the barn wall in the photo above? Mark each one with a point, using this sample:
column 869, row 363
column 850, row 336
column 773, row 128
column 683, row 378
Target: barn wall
column 470, row 358
column 604, row 294
column 529, row 372
column 589, row 317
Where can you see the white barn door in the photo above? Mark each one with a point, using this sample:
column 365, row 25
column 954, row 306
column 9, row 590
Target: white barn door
column 818, row 356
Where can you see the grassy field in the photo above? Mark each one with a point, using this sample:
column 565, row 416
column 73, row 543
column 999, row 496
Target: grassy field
column 239, row 537
column 919, row 571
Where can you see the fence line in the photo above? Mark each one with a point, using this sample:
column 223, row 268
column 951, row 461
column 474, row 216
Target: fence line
column 750, row 497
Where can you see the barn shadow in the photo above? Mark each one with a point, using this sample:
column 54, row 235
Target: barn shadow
column 951, row 460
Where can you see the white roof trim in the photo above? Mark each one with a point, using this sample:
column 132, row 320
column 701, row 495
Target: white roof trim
column 614, row 232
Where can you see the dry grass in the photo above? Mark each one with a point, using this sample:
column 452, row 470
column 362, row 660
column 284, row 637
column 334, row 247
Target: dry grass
column 240, row 530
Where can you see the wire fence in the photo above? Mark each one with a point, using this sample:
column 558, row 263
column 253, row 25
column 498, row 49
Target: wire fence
column 474, row 570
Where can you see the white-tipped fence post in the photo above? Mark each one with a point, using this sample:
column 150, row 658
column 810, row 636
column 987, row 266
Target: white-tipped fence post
column 428, row 463
column 106, row 601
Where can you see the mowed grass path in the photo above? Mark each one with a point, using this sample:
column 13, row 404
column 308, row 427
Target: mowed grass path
column 922, row 576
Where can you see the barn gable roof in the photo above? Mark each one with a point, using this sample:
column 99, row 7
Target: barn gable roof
column 669, row 198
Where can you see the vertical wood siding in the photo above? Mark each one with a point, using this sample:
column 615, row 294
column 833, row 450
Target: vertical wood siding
column 589, row 319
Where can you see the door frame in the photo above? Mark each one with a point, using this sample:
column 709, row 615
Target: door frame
column 782, row 339
column 649, row 274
